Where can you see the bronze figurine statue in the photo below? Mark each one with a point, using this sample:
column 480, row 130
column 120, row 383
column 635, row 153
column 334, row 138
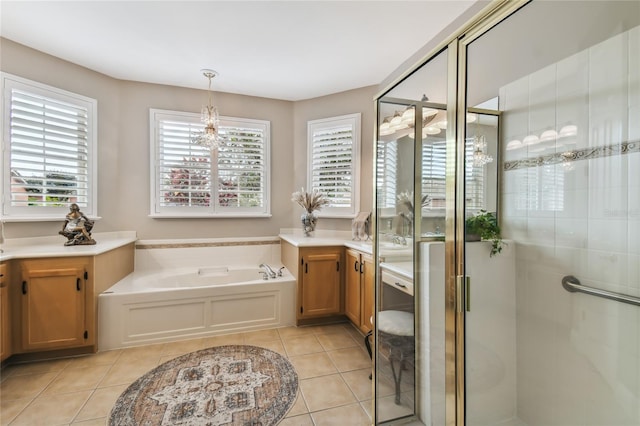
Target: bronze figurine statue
column 77, row 228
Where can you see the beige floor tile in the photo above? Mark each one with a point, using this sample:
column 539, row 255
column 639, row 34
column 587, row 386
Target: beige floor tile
column 301, row 345
column 36, row 367
column 93, row 422
column 275, row 346
column 76, row 379
column 125, row 373
column 299, row 407
column 313, row 365
column 336, row 341
column 141, row 352
column 348, row 359
column 388, row 409
column 289, row 332
column 328, row 328
column 52, row 410
column 359, row 383
column 255, row 337
column 100, row 403
column 321, row 393
column 28, row 386
column 352, row 415
column 303, row 420
column 9, row 409
column 100, row 358
column 225, row 339
column 182, row 347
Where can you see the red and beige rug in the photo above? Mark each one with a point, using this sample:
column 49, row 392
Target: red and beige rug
column 222, row 385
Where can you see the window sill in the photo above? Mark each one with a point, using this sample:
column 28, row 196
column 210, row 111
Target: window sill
column 16, row 219
column 210, row 216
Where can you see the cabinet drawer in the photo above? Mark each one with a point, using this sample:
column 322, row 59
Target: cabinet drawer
column 394, row 280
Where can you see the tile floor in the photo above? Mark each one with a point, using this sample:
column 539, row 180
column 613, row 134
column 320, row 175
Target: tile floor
column 332, row 364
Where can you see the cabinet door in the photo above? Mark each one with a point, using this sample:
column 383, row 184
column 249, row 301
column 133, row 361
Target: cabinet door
column 321, row 286
column 367, row 286
column 53, row 308
column 5, row 329
column 352, row 291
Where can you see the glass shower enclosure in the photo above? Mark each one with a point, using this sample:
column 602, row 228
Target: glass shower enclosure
column 528, row 116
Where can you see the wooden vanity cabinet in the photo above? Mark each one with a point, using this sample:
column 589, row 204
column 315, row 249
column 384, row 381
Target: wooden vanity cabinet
column 57, row 309
column 318, row 271
column 5, row 323
column 359, row 286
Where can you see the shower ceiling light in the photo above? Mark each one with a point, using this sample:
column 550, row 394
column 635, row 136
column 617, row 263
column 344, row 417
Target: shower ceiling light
column 209, row 137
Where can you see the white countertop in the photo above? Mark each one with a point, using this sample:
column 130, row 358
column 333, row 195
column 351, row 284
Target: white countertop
column 404, row 269
column 25, row 248
column 388, row 251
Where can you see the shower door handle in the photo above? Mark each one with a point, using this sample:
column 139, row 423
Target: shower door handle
column 463, row 293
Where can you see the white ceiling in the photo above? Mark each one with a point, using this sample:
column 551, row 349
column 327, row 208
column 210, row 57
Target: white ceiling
column 289, row 50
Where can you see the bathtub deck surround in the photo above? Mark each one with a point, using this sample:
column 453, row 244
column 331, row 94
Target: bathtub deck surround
column 196, row 288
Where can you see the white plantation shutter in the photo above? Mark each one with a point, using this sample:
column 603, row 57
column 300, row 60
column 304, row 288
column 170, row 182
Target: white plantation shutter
column 51, row 149
column 387, row 175
column 433, row 175
column 433, row 171
column 190, row 181
column 334, row 155
column 242, row 167
column 184, row 168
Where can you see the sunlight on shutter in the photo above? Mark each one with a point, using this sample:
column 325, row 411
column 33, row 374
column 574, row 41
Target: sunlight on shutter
column 49, row 145
column 184, row 168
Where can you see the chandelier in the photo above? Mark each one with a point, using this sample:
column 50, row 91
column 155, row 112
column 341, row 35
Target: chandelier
column 480, row 156
column 209, row 137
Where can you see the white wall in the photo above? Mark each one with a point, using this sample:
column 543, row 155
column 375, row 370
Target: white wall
column 123, row 147
column 578, row 355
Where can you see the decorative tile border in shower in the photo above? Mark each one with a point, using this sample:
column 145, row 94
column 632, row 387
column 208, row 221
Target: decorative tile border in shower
column 570, row 156
column 185, row 244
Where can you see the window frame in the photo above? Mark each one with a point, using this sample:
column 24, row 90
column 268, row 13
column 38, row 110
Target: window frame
column 9, row 213
column 213, row 210
column 354, row 121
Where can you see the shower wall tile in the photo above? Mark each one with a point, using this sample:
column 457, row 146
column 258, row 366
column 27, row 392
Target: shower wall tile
column 608, row 269
column 633, row 274
column 571, row 233
column 608, row 80
column 607, row 235
column 634, row 69
column 608, row 172
column 575, row 204
column 572, row 103
column 542, row 100
column 634, row 123
column 576, row 175
column 541, row 231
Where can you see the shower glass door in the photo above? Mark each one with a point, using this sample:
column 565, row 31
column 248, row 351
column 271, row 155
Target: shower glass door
column 409, row 234
column 555, row 88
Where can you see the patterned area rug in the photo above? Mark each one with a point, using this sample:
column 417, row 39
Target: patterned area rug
column 223, row 385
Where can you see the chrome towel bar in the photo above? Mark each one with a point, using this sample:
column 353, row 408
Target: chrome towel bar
column 573, row 285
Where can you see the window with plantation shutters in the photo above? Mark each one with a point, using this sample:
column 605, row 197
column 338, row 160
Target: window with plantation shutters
column 433, row 175
column 334, row 163
column 189, row 180
column 49, row 150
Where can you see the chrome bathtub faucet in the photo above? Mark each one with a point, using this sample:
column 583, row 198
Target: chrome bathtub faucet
column 268, row 270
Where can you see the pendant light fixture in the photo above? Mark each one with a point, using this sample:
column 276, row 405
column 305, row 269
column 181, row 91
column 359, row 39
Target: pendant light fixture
column 210, row 136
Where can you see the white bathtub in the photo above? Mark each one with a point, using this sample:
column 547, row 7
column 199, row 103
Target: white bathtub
column 182, row 303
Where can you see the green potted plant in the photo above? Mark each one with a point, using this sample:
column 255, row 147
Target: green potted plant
column 484, row 226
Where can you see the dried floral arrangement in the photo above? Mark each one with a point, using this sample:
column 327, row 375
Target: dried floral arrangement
column 406, row 199
column 310, row 201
